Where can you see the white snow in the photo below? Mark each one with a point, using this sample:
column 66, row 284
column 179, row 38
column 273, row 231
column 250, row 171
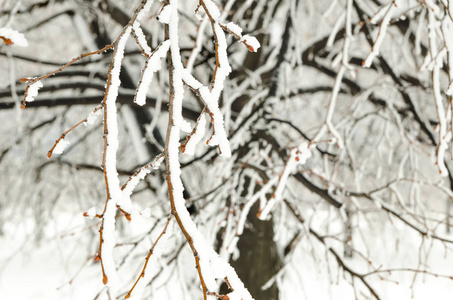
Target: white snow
column 234, row 28
column 146, row 212
column 213, row 141
column 213, row 10
column 153, row 64
column 141, row 39
column 141, row 174
column 189, row 148
column 198, row 44
column 108, row 237
column 252, row 42
column 298, row 156
column 32, row 91
column 381, row 35
column 110, row 165
column 144, row 10
column 190, row 80
column 235, row 295
column 177, row 71
column 213, row 106
column 92, row 117
column 91, row 213
column 206, row 254
column 165, row 14
column 60, row 147
column 210, row 99
column 14, row 36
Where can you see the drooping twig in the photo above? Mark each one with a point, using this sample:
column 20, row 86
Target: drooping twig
column 205, row 257
column 49, row 154
column 32, row 81
column 151, row 251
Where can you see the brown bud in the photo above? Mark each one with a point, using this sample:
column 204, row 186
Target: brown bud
column 8, row 41
column 25, row 79
column 250, row 48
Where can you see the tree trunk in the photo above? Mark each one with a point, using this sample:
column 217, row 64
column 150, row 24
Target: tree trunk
column 258, row 260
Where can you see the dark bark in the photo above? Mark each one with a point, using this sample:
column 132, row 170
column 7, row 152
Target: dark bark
column 259, row 259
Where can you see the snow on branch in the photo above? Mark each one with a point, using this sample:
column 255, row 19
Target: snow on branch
column 140, row 38
column 196, row 135
column 298, row 156
column 13, row 37
column 250, row 42
column 382, row 31
column 328, row 123
column 152, row 65
column 198, row 44
column 209, row 265
column 210, row 96
column 34, row 83
column 442, row 146
column 116, row 198
column 177, row 84
column 61, row 144
column 111, row 143
column 32, row 91
column 134, row 180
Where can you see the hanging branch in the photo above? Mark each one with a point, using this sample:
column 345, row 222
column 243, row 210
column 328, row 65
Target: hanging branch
column 116, row 199
column 437, row 59
column 196, row 135
column 60, row 143
column 337, row 85
column 152, row 65
column 209, row 265
column 382, row 31
column 115, row 196
column 299, row 154
column 151, row 251
column 198, row 44
column 34, row 83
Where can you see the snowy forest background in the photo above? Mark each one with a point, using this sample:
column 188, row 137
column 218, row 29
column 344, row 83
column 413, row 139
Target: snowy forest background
column 339, row 184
